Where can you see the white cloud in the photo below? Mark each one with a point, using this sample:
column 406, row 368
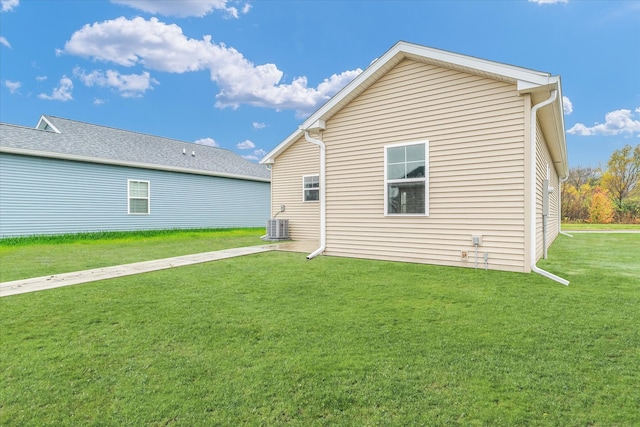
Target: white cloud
column 5, row 42
column 184, row 8
column 616, row 123
column 62, row 92
column 207, row 141
column 164, row 47
column 41, row 78
column 129, row 85
column 257, row 155
column 12, row 86
column 245, row 145
column 567, row 105
column 98, row 101
column 258, row 125
column 548, row 1
column 9, row 5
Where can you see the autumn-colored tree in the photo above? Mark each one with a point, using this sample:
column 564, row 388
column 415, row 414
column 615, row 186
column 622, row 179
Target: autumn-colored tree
column 623, row 173
column 576, row 192
column 601, row 208
column 575, row 202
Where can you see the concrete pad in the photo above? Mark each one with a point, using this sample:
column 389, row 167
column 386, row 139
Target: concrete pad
column 66, row 279
column 303, row 246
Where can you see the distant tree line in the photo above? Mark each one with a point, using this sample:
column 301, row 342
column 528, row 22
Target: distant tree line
column 605, row 196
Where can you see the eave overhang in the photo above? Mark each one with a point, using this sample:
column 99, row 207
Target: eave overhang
column 551, row 120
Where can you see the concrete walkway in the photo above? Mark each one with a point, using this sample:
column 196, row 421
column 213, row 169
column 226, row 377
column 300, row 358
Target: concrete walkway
column 66, row 279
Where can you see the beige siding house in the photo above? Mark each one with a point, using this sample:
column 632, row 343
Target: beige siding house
column 420, row 154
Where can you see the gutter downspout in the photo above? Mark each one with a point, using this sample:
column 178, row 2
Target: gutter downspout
column 534, row 127
column 323, row 194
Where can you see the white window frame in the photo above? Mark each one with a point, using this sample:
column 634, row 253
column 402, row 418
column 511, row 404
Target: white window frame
column 129, row 197
column 304, row 188
column 425, row 179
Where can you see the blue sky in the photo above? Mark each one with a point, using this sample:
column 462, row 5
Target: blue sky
column 242, row 75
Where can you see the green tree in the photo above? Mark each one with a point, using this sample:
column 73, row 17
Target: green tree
column 623, row 173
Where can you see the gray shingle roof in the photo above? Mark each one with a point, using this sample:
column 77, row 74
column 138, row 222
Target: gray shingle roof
column 101, row 144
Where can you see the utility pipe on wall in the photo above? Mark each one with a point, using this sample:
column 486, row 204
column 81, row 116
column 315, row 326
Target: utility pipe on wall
column 532, row 153
column 323, row 216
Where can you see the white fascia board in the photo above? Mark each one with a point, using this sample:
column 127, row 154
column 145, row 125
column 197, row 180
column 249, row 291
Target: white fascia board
column 484, row 65
column 528, row 86
column 269, row 158
column 529, row 78
column 557, row 114
column 369, row 72
column 87, row 159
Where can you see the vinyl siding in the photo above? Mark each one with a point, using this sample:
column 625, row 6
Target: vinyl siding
column 300, row 159
column 543, row 158
column 49, row 196
column 475, row 129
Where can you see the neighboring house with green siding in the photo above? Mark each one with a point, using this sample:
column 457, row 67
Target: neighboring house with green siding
column 65, row 176
column 428, row 156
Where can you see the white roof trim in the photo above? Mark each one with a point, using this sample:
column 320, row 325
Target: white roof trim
column 527, row 80
column 533, row 78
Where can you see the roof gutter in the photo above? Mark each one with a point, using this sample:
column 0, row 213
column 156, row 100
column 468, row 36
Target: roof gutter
column 320, row 125
column 534, row 267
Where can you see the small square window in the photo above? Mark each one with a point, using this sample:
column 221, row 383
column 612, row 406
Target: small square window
column 311, row 188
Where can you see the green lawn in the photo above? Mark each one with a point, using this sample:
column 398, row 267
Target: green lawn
column 274, row 339
column 599, row 227
column 23, row 258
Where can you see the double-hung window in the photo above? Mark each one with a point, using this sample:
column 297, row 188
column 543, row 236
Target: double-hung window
column 311, row 188
column 406, row 179
column 139, row 196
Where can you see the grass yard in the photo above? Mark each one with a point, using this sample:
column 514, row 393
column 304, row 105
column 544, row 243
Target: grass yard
column 26, row 257
column 599, row 227
column 274, row 339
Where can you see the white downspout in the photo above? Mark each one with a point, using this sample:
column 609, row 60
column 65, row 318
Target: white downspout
column 534, row 267
column 323, row 194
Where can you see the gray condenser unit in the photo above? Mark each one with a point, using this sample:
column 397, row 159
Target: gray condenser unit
column 278, row 229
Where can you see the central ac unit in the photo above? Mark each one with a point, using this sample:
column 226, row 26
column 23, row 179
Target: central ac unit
column 278, row 229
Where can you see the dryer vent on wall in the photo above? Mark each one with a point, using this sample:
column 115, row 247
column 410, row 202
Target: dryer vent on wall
column 278, row 229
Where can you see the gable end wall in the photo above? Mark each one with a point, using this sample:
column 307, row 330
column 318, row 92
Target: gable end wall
column 476, row 131
column 300, row 159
